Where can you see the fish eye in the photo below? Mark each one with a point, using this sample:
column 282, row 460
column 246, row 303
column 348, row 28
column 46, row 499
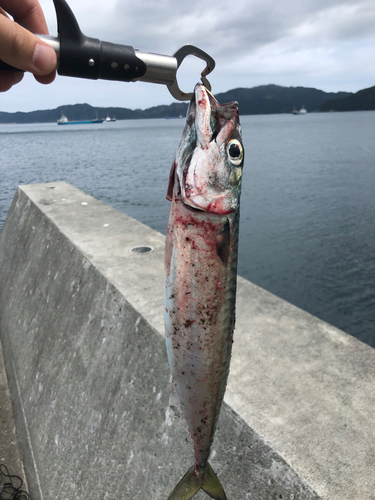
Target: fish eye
column 235, row 152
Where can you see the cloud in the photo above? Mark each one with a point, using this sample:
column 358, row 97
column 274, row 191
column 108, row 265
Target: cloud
column 338, row 23
column 241, row 26
column 226, row 29
column 327, row 44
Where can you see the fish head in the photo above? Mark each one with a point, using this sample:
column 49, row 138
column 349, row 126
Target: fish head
column 207, row 171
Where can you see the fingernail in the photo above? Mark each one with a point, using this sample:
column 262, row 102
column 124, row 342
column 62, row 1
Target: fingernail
column 44, row 58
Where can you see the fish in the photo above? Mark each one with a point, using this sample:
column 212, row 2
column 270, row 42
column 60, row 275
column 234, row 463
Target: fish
column 201, row 274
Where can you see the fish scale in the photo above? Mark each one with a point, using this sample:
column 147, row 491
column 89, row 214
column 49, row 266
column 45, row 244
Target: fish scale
column 200, row 274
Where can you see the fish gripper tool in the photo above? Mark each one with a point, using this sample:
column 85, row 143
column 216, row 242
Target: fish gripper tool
column 81, row 56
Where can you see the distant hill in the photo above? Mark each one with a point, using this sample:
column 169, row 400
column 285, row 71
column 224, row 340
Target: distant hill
column 364, row 100
column 76, row 112
column 270, row 99
column 266, row 99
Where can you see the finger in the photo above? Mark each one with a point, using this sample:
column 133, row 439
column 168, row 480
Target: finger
column 8, row 79
column 45, row 79
column 28, row 12
column 25, row 51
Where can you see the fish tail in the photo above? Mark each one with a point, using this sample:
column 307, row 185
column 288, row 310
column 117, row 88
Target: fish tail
column 211, row 484
column 195, row 479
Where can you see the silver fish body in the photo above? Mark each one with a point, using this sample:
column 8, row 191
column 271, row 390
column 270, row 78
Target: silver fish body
column 200, row 274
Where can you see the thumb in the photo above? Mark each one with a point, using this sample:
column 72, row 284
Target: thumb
column 23, row 50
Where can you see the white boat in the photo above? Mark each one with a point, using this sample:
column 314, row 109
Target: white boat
column 302, row 111
column 62, row 120
column 108, row 119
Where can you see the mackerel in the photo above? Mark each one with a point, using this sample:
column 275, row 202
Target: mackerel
column 201, row 272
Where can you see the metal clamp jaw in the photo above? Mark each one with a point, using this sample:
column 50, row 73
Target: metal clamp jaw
column 84, row 57
column 180, row 55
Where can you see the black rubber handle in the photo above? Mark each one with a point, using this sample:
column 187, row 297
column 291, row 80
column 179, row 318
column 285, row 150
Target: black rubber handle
column 93, row 59
column 90, row 58
column 85, row 57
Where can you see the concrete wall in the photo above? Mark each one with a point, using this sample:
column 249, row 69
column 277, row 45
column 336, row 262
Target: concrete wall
column 9, row 451
column 82, row 330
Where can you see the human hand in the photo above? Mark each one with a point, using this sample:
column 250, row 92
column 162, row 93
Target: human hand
column 20, row 48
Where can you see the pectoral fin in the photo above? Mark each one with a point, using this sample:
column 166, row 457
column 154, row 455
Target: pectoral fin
column 223, row 243
column 171, row 182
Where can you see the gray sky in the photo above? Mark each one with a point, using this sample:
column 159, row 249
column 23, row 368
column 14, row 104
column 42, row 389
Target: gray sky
column 326, row 44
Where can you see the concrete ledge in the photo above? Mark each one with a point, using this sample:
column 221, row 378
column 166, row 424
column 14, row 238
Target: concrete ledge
column 82, row 330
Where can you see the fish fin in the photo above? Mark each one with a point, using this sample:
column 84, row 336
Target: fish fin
column 189, row 485
column 196, row 479
column 223, row 243
column 211, row 484
column 171, row 182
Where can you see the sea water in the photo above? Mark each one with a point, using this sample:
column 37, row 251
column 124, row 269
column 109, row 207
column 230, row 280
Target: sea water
column 308, row 198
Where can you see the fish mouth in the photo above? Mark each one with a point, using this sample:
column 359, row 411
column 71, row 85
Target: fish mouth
column 211, row 114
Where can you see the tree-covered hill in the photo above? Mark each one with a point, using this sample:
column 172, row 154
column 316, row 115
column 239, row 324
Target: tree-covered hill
column 270, row 99
column 364, row 100
column 265, row 99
